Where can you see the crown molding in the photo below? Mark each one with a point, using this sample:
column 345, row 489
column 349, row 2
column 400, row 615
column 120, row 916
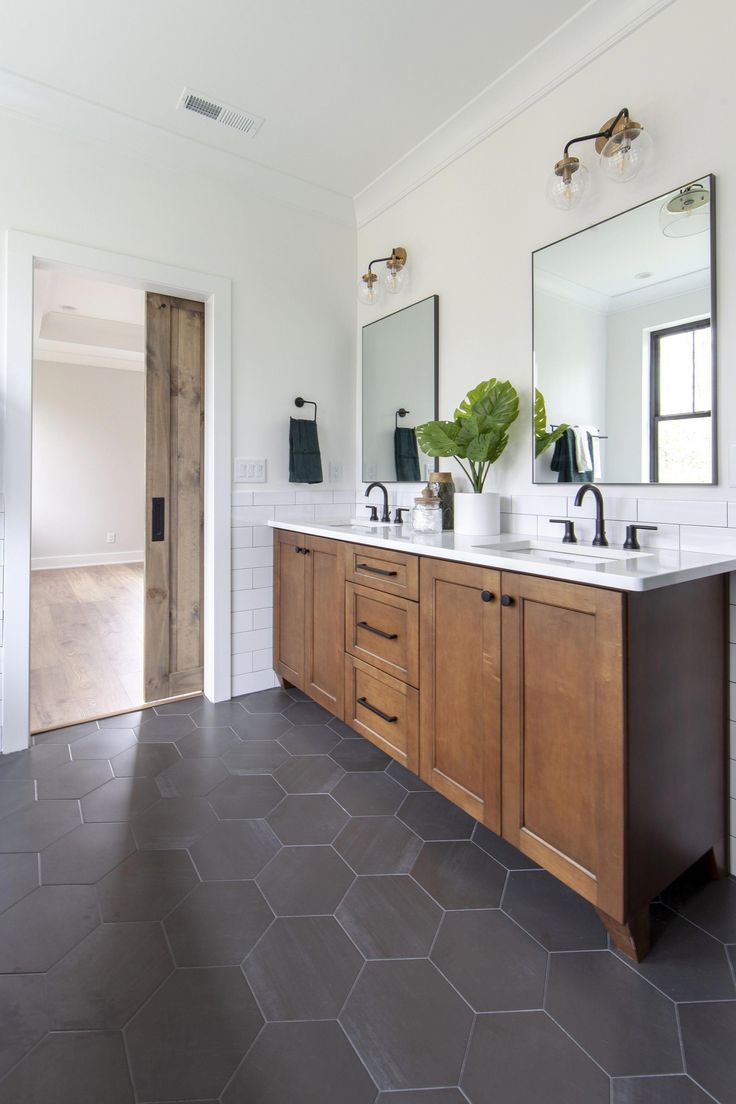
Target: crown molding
column 92, row 122
column 573, row 46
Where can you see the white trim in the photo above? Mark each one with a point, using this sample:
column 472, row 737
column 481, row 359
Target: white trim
column 85, row 559
column 597, row 27
column 23, row 250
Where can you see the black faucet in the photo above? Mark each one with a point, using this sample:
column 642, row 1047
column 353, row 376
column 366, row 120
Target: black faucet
column 385, row 516
column 600, row 521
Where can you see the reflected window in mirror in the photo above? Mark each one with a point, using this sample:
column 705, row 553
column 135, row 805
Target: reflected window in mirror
column 400, row 376
column 624, row 346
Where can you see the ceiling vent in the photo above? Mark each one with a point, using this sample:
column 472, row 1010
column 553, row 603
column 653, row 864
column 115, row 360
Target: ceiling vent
column 220, row 113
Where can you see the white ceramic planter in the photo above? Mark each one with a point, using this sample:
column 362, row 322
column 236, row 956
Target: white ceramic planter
column 478, row 515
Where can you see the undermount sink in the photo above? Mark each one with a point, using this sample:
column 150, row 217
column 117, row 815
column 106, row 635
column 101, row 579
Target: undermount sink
column 551, row 552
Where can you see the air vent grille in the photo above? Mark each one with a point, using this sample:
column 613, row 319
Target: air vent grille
column 232, row 117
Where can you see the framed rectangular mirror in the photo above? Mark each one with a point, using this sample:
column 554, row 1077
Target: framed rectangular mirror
column 400, row 382
column 624, row 346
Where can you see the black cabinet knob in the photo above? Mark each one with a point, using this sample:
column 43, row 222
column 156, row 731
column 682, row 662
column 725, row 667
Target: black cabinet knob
column 507, row 600
column 486, row 596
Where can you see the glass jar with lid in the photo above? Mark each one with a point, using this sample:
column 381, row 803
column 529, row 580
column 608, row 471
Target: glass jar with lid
column 426, row 517
column 442, row 485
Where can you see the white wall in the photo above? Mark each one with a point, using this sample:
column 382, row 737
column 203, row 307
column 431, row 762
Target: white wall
column 88, row 464
column 470, row 230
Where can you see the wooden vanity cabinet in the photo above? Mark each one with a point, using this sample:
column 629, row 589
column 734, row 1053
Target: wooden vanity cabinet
column 309, row 604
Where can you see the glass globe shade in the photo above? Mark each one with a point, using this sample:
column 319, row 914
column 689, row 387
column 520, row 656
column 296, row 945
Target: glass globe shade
column 568, row 193
column 686, row 214
column 626, row 153
column 394, row 280
column 369, row 294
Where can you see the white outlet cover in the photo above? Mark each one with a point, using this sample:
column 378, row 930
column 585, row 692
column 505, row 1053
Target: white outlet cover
column 249, row 470
column 111, row 538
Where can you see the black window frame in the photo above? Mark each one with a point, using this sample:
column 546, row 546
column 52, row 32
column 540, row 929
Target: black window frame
column 655, row 418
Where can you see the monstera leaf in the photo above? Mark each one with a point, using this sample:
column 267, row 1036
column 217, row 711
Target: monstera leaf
column 543, row 439
column 438, row 438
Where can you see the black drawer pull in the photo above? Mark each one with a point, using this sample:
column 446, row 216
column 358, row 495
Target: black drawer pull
column 507, row 600
column 379, row 712
column 378, row 632
column 376, row 570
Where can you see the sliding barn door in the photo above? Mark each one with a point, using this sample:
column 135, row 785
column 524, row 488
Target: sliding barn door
column 174, row 525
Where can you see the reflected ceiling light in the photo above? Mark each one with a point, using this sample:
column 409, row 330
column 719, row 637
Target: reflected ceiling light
column 686, row 213
column 393, row 278
column 624, row 148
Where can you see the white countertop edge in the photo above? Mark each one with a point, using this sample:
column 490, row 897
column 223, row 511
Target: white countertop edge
column 659, row 568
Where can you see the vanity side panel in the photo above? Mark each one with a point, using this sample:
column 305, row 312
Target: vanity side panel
column 677, row 720
column 289, row 588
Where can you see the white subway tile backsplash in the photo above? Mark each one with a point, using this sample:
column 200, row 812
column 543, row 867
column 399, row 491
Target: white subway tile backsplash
column 262, row 659
column 253, row 557
column 242, row 498
column 242, row 580
column 313, row 497
column 273, row 498
column 252, row 683
column 682, row 511
column 293, row 513
column 703, row 538
column 551, row 505
column 241, row 663
column 253, row 640
column 262, row 576
column 525, row 524
column 732, row 513
column 244, row 621
column 242, row 537
column 262, row 618
column 252, row 515
column 262, row 536
column 252, row 599
column 344, row 497
column 333, row 512
column 617, row 509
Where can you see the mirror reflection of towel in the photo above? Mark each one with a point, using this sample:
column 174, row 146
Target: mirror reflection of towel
column 406, row 455
column 565, row 462
column 305, row 461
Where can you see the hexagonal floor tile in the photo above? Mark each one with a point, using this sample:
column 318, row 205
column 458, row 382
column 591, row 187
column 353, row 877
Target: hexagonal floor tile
column 86, row 854
column 38, row 825
column 105, row 979
column 423, row 1096
column 309, row 740
column 18, row 876
column 103, row 743
column 616, row 1016
column 488, row 958
column 433, row 817
column 526, row 1057
column 309, row 774
column 173, row 822
column 312, row 818
column 37, row 762
column 217, row 924
column 128, row 720
column 344, row 731
column 303, row 969
column 205, row 743
column 360, row 755
column 72, row 1067
column 191, row 777
column 15, row 796
column 255, row 757
column 500, row 850
column 305, row 881
column 66, row 735
column 217, row 713
column 246, row 797
column 23, row 1014
column 74, row 779
column 557, row 918
column 306, row 713
column 407, row 1024
column 164, row 729
column 677, row 1089
column 708, row 1033
column 710, row 905
column 184, row 705
column 187, row 1041
column 144, row 760
column 266, row 701
column 234, row 849
column 146, row 886
column 378, row 845
column 389, row 917
column 459, row 875
column 44, row 925
column 312, row 1063
column 406, row 778
column 261, row 726
column 120, row 799
column 369, row 793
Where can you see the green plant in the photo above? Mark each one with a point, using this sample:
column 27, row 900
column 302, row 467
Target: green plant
column 479, row 432
column 543, row 439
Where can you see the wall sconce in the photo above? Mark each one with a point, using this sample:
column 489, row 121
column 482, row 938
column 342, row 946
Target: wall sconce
column 624, row 147
column 392, row 279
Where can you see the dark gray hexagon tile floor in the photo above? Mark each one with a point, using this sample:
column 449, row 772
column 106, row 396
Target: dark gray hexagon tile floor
column 246, row 901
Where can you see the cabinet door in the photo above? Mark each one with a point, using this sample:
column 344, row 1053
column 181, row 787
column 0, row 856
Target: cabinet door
column 289, row 581
column 324, row 608
column 460, row 743
column 563, row 732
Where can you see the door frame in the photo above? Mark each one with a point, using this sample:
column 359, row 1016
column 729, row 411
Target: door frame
column 24, row 252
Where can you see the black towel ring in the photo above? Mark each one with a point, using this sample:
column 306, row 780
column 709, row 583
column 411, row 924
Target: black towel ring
column 300, row 402
column 400, row 413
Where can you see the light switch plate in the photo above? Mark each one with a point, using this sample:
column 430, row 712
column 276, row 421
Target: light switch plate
column 248, row 470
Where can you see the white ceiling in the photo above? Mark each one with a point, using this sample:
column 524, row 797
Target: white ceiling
column 347, row 87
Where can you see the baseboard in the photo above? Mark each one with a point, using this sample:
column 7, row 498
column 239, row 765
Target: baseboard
column 91, row 559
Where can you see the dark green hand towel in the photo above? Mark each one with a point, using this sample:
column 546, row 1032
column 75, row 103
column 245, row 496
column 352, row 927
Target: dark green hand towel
column 564, row 461
column 305, row 462
column 406, row 455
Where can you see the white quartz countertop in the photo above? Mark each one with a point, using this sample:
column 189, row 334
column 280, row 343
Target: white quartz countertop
column 578, row 563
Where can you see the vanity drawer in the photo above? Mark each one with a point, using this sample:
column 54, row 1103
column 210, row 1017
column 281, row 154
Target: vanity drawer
column 383, row 630
column 383, row 710
column 383, row 569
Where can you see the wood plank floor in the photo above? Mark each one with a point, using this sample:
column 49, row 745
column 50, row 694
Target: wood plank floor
column 86, row 642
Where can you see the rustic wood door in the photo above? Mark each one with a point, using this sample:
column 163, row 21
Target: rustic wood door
column 460, row 696
column 564, row 732
column 289, row 590
column 324, row 608
column 173, row 646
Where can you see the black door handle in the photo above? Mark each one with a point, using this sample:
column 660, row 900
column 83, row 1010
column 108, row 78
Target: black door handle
column 507, row 600
column 379, row 712
column 486, row 596
column 158, row 519
column 376, row 570
column 378, row 632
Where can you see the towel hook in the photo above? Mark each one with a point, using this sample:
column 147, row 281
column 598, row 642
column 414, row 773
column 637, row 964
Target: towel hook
column 300, row 402
column 400, row 413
